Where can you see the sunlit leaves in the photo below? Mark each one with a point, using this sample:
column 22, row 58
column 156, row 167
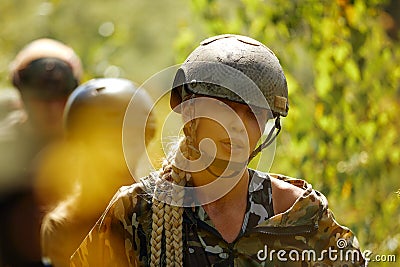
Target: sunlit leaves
column 342, row 129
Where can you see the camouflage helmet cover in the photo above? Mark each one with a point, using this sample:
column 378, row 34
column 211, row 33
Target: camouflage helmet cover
column 233, row 61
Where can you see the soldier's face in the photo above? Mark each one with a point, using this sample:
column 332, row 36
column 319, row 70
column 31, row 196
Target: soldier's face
column 233, row 128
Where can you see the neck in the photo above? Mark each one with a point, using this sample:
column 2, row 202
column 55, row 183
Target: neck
column 230, row 208
column 223, row 190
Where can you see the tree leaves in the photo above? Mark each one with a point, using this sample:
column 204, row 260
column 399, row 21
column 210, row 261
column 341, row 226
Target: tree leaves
column 342, row 129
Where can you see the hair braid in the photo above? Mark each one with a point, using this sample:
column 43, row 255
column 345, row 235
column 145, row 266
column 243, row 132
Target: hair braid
column 180, row 178
column 167, row 169
column 158, row 219
column 167, row 214
column 169, row 248
column 157, row 229
column 177, row 211
column 168, row 210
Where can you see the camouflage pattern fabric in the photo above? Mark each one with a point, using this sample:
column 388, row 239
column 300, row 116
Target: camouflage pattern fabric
column 305, row 235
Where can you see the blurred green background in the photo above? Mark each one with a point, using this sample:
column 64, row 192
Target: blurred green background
column 341, row 58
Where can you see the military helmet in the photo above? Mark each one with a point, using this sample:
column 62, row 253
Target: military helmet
column 236, row 68
column 46, row 69
column 102, row 102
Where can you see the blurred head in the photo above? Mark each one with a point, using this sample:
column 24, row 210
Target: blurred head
column 94, row 115
column 45, row 72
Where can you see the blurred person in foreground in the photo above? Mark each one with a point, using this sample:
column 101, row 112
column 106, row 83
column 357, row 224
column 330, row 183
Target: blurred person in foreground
column 93, row 118
column 205, row 207
column 44, row 72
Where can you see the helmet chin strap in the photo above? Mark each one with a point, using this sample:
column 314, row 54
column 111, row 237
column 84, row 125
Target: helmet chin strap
column 270, row 138
column 238, row 166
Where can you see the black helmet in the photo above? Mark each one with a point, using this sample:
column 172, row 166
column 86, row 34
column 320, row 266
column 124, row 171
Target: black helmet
column 228, row 61
column 101, row 103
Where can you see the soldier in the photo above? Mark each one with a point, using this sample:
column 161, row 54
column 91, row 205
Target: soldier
column 205, row 207
column 44, row 72
column 93, row 158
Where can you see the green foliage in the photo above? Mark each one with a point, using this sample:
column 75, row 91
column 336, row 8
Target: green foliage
column 342, row 129
column 127, row 38
column 341, row 133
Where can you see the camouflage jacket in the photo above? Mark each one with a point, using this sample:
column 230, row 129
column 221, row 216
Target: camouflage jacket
column 305, row 235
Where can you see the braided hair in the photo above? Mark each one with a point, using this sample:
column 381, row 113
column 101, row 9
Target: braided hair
column 167, row 202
